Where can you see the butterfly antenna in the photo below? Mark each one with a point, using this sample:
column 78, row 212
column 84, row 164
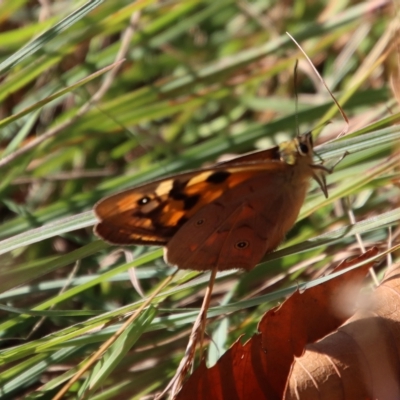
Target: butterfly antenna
column 344, row 116
column 296, row 96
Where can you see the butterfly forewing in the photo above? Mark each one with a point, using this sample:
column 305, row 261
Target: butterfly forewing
column 153, row 213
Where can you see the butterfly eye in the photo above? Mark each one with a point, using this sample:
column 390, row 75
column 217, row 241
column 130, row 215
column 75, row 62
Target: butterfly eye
column 303, row 148
column 242, row 244
column 200, row 222
column 144, row 200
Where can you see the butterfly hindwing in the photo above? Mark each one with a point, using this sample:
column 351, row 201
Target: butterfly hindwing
column 238, row 228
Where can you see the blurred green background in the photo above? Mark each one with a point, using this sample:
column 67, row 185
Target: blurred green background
column 200, row 79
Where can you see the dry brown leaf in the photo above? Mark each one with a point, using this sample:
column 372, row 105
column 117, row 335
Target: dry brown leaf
column 259, row 369
column 361, row 360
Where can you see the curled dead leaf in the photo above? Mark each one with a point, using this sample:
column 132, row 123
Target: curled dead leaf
column 259, row 369
column 361, row 360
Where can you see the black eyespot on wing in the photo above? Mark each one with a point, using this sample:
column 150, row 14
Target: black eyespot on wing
column 176, row 195
column 200, row 221
column 242, row 244
column 190, row 201
column 218, row 177
column 176, row 192
column 144, row 200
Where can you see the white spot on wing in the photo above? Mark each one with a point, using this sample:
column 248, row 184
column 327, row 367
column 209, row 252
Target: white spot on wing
column 164, row 187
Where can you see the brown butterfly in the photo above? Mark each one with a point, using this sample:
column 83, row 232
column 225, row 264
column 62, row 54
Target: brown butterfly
column 226, row 216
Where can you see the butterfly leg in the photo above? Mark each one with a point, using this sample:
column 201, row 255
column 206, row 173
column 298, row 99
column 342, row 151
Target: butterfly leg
column 320, row 179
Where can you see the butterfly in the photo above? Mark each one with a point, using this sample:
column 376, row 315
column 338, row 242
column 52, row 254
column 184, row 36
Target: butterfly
column 227, row 216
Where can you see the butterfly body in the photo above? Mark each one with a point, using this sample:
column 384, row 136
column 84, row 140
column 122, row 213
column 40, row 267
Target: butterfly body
column 227, row 216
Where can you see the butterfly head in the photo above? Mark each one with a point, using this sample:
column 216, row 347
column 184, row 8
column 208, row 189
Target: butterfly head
column 299, row 147
column 300, row 150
